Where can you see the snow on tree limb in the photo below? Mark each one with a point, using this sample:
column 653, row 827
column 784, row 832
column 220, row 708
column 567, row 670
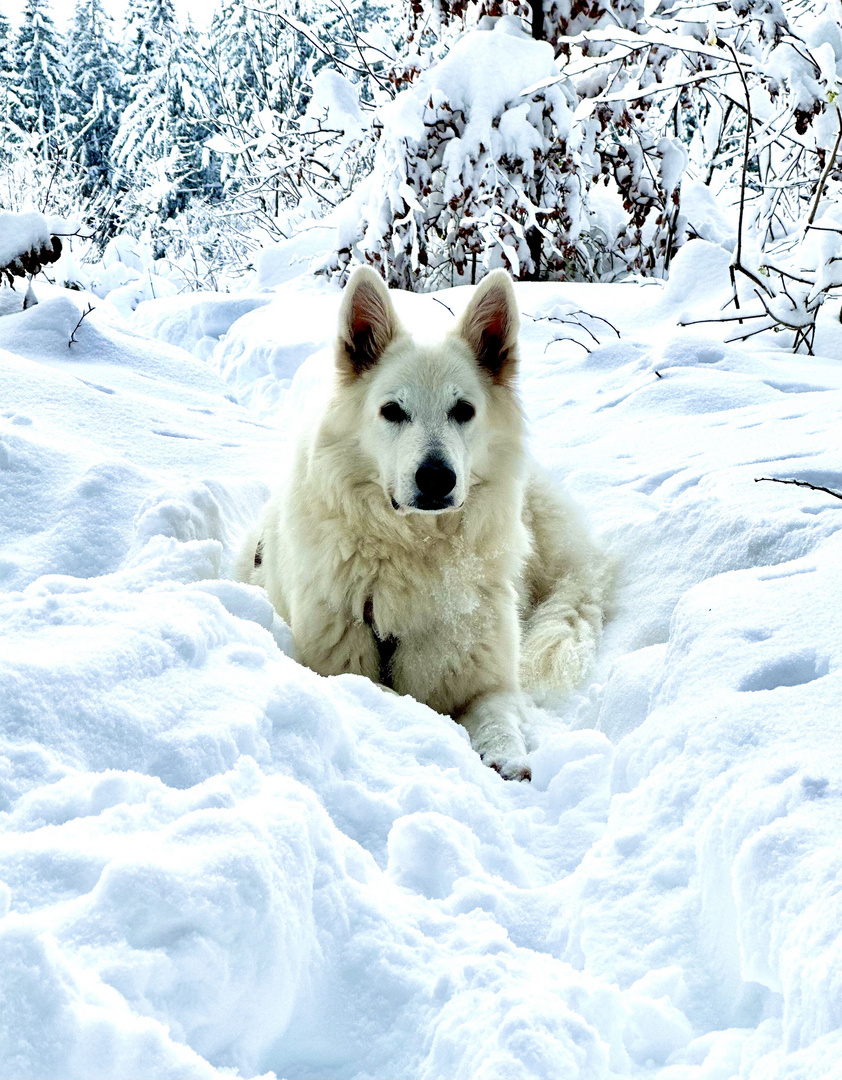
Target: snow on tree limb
column 28, row 242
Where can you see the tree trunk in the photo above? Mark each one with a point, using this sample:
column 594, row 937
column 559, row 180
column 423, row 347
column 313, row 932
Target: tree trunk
column 537, row 19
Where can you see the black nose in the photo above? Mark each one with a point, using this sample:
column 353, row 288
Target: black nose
column 434, row 478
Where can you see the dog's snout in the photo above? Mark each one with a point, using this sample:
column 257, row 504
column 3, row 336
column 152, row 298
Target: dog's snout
column 435, row 478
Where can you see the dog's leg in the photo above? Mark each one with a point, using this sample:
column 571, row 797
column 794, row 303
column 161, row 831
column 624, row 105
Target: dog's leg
column 468, row 668
column 568, row 582
column 492, row 723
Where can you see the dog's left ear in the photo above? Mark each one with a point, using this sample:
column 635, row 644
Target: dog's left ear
column 367, row 323
column 490, row 326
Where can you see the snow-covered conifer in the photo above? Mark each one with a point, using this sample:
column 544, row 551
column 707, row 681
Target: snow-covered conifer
column 7, row 80
column 157, row 152
column 248, row 50
column 283, row 140
column 94, row 67
column 151, row 26
column 6, row 48
column 40, row 76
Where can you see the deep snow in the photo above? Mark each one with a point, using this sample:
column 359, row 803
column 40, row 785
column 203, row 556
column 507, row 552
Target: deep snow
column 213, row 859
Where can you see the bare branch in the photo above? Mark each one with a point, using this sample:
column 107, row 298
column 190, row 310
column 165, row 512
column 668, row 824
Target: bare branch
column 799, row 483
column 827, row 169
column 82, row 318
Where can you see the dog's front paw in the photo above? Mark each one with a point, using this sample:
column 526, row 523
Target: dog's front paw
column 492, row 723
column 509, row 769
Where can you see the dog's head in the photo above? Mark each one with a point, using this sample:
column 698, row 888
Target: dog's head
column 426, row 422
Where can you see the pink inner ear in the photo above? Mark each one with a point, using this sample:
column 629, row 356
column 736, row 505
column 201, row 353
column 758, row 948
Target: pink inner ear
column 497, row 323
column 488, row 331
column 370, row 327
column 358, row 323
column 368, row 311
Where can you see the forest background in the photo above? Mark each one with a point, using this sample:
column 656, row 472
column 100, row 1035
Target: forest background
column 436, row 153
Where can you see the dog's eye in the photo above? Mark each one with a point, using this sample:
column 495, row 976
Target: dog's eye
column 462, row 412
column 392, row 412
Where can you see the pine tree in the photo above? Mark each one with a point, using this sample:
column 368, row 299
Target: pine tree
column 40, row 76
column 151, row 27
column 8, row 100
column 6, row 48
column 93, row 64
column 248, row 57
column 264, row 64
column 157, row 151
column 248, row 48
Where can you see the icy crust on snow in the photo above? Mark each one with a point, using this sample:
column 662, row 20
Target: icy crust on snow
column 212, row 859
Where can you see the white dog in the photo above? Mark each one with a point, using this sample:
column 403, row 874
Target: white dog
column 415, row 543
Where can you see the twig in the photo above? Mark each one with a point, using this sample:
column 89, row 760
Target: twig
column 826, row 173
column 349, row 22
column 781, row 321
column 799, row 483
column 82, row 318
column 737, row 264
column 443, row 304
column 786, row 274
column 575, row 341
column 750, row 334
column 307, row 33
column 722, row 318
column 578, row 311
column 46, row 201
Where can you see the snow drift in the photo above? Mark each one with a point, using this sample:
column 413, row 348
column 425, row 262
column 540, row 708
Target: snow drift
column 212, row 859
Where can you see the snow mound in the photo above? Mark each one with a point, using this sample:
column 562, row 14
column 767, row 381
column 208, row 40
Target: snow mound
column 196, row 326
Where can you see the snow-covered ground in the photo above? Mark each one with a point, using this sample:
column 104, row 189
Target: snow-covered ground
column 213, row 860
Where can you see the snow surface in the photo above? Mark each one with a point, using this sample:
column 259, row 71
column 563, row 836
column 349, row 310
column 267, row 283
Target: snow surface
column 212, row 859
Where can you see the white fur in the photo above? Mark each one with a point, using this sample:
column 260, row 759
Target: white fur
column 497, row 589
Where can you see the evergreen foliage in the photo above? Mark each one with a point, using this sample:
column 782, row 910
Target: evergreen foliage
column 8, row 99
column 40, row 78
column 247, row 52
column 157, row 154
column 94, row 84
column 151, row 26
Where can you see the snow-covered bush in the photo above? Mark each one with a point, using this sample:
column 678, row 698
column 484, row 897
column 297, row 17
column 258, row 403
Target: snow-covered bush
column 487, row 159
column 469, row 174
column 27, row 242
column 576, row 165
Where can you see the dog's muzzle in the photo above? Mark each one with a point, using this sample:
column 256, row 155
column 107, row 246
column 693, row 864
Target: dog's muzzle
column 435, row 480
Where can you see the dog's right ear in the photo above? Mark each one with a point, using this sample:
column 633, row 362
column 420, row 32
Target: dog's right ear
column 490, row 325
column 367, row 323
